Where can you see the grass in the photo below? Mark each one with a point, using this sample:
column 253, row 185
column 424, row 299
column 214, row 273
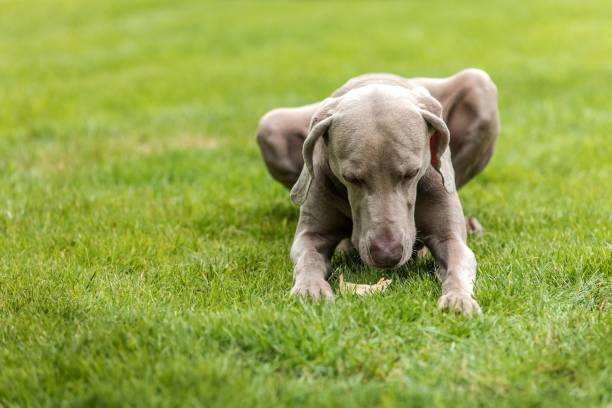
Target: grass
column 144, row 249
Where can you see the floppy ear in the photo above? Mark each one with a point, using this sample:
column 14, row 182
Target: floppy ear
column 431, row 110
column 318, row 126
column 440, row 151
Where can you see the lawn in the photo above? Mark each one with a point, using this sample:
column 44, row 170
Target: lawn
column 144, row 248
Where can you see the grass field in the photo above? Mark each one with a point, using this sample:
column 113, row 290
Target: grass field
column 144, row 248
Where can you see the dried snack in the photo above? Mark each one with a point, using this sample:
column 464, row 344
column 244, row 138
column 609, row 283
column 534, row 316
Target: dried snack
column 363, row 289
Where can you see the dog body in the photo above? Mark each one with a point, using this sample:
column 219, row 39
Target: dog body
column 379, row 162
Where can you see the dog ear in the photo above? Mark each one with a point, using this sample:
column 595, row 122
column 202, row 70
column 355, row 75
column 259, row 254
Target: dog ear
column 319, row 125
column 439, row 138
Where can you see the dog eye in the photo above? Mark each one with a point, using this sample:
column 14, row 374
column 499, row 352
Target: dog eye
column 352, row 179
column 410, row 174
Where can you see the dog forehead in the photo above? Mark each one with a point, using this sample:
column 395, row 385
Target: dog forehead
column 377, row 117
column 378, row 105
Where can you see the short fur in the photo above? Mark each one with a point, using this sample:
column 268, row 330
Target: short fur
column 380, row 162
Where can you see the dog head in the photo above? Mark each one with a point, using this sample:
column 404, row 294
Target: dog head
column 381, row 140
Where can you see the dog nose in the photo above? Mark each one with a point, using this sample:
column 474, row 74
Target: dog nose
column 386, row 253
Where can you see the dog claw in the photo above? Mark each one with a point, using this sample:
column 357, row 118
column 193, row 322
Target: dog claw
column 315, row 289
column 459, row 302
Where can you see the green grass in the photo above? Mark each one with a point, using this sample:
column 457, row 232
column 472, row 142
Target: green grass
column 144, row 248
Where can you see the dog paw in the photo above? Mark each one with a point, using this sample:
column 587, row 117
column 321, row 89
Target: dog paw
column 421, row 253
column 460, row 302
column 345, row 248
column 314, row 288
column 473, row 226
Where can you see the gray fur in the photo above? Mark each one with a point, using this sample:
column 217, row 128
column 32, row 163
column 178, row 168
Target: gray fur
column 381, row 161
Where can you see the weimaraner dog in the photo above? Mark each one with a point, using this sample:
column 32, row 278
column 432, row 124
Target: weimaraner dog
column 380, row 161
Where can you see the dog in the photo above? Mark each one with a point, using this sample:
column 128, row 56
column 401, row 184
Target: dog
column 380, row 161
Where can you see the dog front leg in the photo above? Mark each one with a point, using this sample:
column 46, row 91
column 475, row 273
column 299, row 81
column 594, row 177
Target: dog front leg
column 456, row 271
column 311, row 254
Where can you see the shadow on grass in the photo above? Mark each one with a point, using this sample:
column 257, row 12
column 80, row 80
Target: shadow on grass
column 354, row 269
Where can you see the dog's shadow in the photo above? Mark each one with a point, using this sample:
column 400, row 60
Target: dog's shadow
column 355, row 270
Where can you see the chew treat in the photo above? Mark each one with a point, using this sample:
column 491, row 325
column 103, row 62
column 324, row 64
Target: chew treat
column 363, row 289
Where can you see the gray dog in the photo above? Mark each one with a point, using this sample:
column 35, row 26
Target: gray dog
column 380, row 162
